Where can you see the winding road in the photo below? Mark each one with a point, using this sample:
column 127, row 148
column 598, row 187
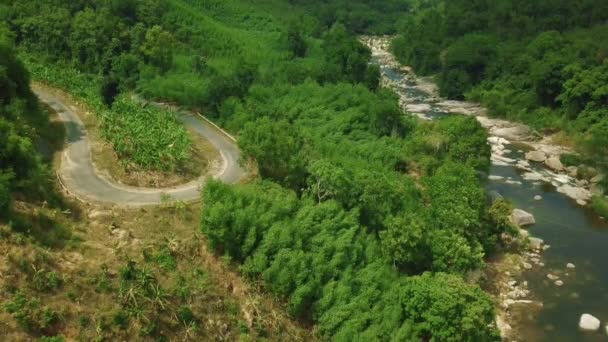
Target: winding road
column 79, row 176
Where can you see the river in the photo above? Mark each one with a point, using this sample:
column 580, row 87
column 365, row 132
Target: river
column 574, row 233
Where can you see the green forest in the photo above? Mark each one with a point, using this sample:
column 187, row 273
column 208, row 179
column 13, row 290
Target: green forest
column 363, row 222
column 540, row 62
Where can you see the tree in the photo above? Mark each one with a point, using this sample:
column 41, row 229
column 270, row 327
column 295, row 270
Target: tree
column 444, row 308
column 345, row 57
column 236, row 219
column 21, row 167
column 405, row 242
column 278, row 148
column 157, row 48
column 384, row 195
column 466, row 141
column 296, row 41
column 89, row 38
column 464, row 64
column 457, row 208
column 329, row 181
column 457, row 200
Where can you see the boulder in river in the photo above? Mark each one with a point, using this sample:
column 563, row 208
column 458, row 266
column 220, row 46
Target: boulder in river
column 538, row 197
column 574, row 192
column 554, row 164
column 522, row 218
column 537, row 156
column 536, row 243
column 588, row 322
column 570, row 266
column 514, row 132
column 418, row 107
column 533, row 176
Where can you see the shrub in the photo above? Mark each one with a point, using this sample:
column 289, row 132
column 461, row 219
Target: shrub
column 600, row 205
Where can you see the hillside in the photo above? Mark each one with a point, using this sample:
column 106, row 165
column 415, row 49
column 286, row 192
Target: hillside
column 357, row 221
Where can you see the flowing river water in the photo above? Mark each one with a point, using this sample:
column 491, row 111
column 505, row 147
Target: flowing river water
column 574, row 233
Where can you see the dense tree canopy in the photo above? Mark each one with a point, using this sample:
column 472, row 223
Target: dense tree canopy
column 363, row 220
column 21, row 167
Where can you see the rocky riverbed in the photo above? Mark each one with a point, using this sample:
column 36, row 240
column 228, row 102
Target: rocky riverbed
column 540, row 150
column 514, row 145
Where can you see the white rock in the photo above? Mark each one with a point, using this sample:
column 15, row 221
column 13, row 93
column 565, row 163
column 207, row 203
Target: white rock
column 536, row 243
column 498, row 162
column 495, row 178
column 552, row 277
column 537, row 156
column 527, row 265
column 570, row 266
column 588, row 322
column 503, row 159
column 418, row 107
column 563, row 179
column 559, row 283
column 574, row 192
column 512, row 182
column 522, row 218
column 493, row 140
column 538, row 197
column 518, row 132
column 554, row 163
column 581, row 202
column 524, row 233
column 533, row 176
column 508, row 302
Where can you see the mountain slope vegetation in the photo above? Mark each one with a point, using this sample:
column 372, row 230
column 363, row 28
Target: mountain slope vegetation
column 362, row 221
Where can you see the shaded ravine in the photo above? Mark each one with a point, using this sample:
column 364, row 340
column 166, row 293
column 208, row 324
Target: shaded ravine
column 79, row 176
column 574, row 233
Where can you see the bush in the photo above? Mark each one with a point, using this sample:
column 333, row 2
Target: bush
column 600, row 205
column 569, row 159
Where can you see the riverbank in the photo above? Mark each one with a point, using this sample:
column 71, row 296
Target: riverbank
column 580, row 183
column 526, row 169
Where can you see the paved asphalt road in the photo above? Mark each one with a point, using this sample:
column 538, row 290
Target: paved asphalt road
column 78, row 174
